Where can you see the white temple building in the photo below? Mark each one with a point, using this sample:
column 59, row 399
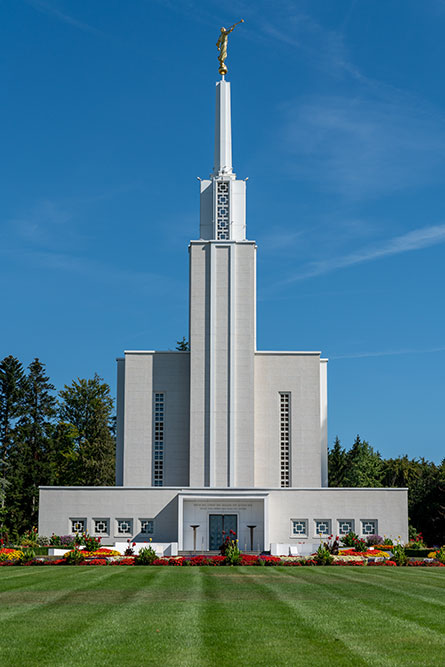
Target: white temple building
column 224, row 436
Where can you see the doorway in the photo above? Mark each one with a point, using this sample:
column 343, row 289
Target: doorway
column 220, row 526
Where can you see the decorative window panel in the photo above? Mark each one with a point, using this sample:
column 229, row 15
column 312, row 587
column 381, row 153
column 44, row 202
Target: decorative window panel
column 285, row 439
column 299, row 527
column 222, row 210
column 158, row 442
column 125, row 526
column 78, row 525
column 147, row 526
column 322, row 527
column 369, row 527
column 101, row 526
column 345, row 526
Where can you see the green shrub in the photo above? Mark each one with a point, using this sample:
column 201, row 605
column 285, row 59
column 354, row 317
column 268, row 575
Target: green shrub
column 146, row 556
column 232, row 553
column 90, row 543
column 323, row 555
column 27, row 555
column 399, row 556
column 440, row 555
column 359, row 544
column 74, row 557
column 348, row 540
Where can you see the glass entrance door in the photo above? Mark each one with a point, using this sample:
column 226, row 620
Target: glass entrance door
column 220, row 526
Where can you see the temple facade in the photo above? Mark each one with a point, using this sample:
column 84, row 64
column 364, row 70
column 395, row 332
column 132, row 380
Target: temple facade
column 223, row 436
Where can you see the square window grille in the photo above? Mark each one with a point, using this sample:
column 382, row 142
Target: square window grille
column 101, row 526
column 147, row 526
column 322, row 527
column 78, row 525
column 299, row 527
column 345, row 526
column 125, row 526
column 369, row 527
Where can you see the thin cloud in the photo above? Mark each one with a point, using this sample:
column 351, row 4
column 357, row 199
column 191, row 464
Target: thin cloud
column 365, row 145
column 414, row 240
column 387, row 353
column 100, row 272
column 324, row 48
column 45, row 8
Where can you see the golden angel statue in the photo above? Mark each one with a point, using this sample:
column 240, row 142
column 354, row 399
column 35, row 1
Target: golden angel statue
column 222, row 47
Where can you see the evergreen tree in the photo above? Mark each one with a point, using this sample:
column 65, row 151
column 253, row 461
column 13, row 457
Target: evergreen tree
column 183, row 345
column 30, row 455
column 87, row 406
column 336, row 464
column 11, row 400
column 364, row 466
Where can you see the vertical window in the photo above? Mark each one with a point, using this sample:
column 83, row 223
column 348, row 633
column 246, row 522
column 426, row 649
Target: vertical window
column 222, row 210
column 158, row 449
column 285, row 439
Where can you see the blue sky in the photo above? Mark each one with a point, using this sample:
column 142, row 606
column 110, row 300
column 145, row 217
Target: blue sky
column 338, row 112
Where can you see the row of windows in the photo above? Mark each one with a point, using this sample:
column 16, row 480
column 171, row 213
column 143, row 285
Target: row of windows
column 124, row 527
column 323, row 527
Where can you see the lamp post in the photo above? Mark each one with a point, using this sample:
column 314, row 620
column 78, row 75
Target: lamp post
column 251, row 528
column 194, row 535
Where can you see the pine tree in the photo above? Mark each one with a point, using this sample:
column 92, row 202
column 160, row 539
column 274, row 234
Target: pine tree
column 336, row 464
column 11, row 401
column 30, row 455
column 87, row 406
column 183, row 345
column 364, row 466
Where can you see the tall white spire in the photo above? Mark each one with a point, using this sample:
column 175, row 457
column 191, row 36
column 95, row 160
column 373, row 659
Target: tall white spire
column 223, row 130
column 223, row 197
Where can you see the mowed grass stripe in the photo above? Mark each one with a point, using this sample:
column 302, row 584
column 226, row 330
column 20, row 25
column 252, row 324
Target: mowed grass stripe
column 315, row 614
column 138, row 631
column 429, row 605
column 19, row 603
column 430, row 591
column 407, row 628
column 243, row 619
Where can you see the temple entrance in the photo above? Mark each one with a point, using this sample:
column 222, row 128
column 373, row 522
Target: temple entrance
column 220, row 526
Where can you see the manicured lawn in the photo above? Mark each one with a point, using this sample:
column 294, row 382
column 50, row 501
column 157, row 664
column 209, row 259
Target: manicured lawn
column 220, row 616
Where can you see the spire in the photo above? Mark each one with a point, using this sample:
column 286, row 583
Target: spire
column 223, row 197
column 223, row 130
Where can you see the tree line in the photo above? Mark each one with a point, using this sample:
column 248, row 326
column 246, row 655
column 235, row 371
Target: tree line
column 50, row 439
column 362, row 466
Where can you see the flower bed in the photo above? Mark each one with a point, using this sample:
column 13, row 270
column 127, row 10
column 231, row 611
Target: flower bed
column 369, row 553
column 104, row 556
column 10, row 554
